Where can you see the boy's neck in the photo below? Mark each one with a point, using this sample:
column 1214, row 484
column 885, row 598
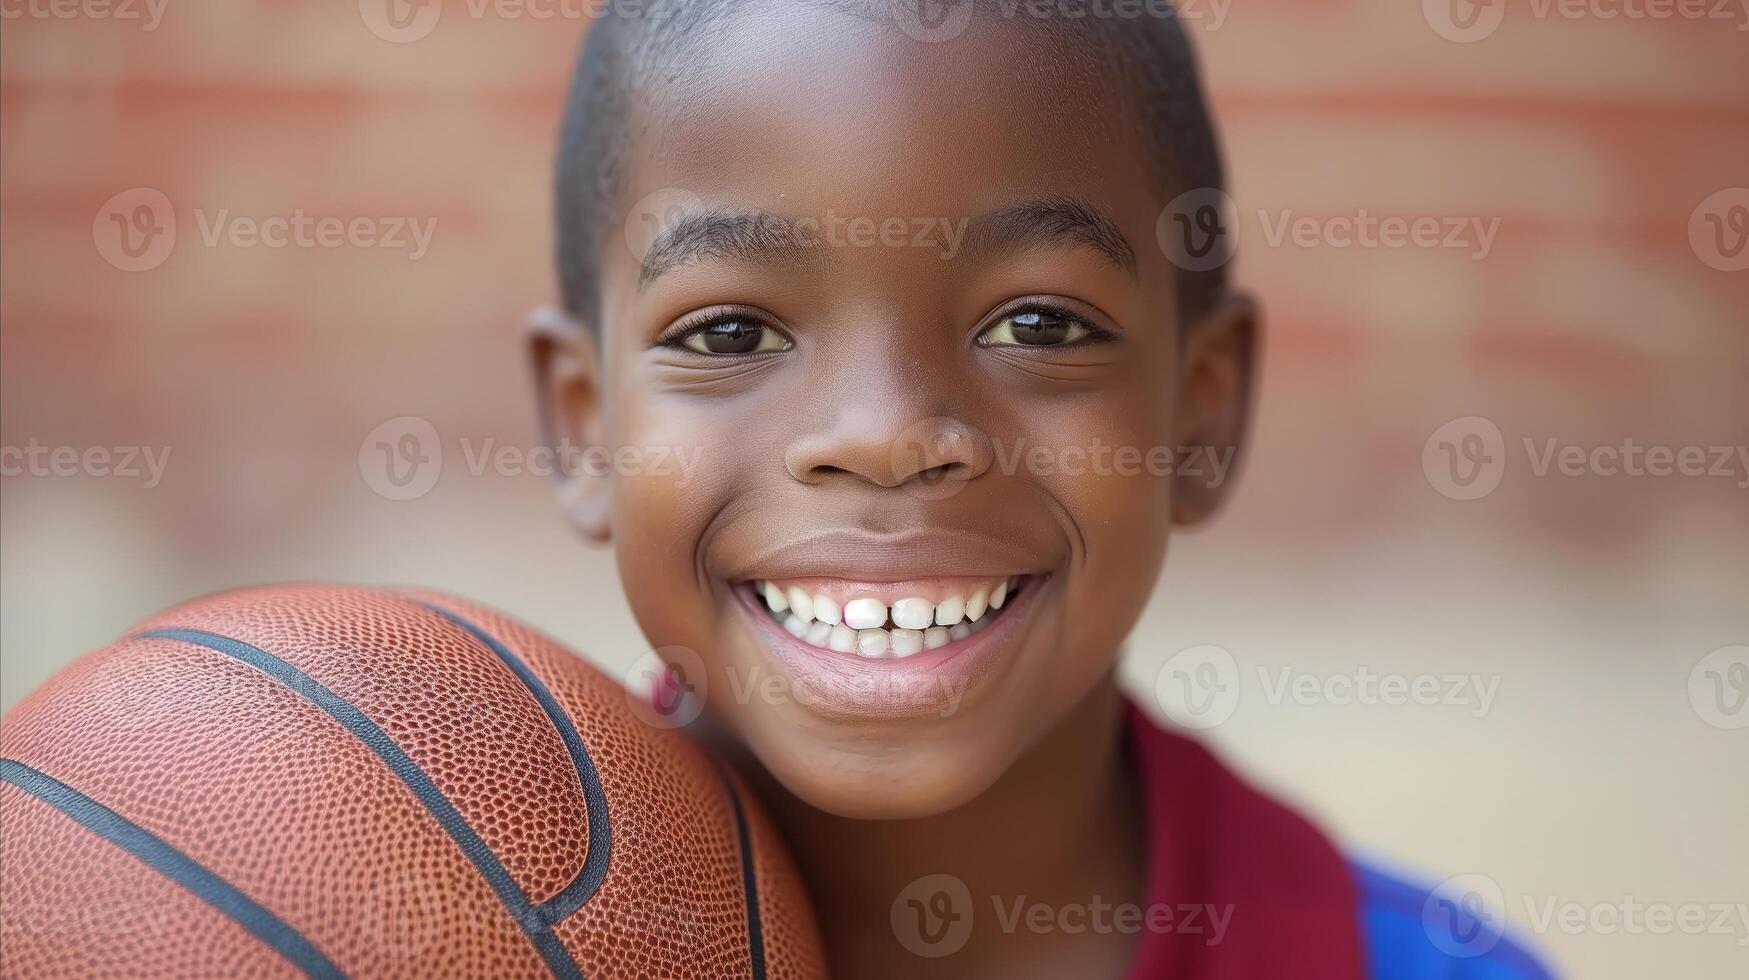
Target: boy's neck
column 1062, row 827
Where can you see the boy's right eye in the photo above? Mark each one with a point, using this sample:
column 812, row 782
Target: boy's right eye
column 732, row 336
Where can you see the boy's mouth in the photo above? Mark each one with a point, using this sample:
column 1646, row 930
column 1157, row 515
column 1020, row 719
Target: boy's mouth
column 886, row 620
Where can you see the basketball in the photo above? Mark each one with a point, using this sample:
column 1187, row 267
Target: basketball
column 342, row 781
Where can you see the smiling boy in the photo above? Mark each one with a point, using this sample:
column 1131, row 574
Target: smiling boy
column 945, row 746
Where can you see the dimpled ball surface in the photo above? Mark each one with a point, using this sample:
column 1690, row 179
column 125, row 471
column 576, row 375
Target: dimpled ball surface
column 340, row 781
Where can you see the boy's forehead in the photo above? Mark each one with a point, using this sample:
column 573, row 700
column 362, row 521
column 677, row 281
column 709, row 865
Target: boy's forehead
column 799, row 105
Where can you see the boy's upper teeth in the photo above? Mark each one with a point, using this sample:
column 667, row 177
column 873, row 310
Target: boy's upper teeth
column 867, row 625
column 865, row 614
column 913, row 614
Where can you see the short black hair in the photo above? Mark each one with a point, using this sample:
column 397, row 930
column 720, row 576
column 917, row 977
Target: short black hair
column 627, row 53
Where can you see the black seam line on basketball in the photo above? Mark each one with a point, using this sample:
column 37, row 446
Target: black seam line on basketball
column 583, row 887
column 749, row 880
column 161, row 857
column 557, row 958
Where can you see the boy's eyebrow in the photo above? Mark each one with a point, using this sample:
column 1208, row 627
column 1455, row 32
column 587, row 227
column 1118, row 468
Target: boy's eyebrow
column 757, row 235
column 1051, row 221
column 749, row 234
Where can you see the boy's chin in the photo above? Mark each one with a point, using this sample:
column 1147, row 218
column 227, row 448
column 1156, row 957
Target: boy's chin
column 881, row 780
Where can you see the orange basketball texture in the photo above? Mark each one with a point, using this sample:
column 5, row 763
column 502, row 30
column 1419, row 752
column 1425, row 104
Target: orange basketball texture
column 375, row 783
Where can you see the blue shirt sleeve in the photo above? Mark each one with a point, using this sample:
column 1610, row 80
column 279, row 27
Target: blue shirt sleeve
column 1415, row 933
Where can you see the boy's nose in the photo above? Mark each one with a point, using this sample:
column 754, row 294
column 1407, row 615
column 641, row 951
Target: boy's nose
column 890, row 453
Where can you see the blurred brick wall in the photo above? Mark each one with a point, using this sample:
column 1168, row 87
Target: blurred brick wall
column 1590, row 141
column 1606, row 308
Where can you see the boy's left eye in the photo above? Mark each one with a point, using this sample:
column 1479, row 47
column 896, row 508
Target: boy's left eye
column 730, row 337
column 1035, row 328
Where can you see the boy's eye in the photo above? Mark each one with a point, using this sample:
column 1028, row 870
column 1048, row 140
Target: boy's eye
column 1036, row 328
column 734, row 337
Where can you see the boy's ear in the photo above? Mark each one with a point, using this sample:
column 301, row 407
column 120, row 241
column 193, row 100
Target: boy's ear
column 1217, row 375
column 567, row 377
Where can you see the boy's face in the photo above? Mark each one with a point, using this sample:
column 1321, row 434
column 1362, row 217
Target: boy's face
column 929, row 374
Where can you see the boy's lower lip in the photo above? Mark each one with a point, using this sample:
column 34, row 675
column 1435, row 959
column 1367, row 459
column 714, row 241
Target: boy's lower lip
column 933, row 683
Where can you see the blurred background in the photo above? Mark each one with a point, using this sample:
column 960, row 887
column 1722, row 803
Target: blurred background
column 186, row 407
